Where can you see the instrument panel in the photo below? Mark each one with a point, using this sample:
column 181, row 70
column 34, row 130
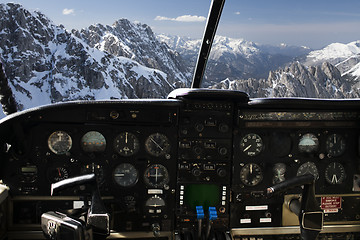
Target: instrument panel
column 156, row 161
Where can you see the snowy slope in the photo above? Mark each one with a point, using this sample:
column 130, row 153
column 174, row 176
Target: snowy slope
column 47, row 64
column 334, row 53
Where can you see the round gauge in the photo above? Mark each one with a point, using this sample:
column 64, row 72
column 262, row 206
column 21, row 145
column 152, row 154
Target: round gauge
column 280, row 144
column 279, row 170
column 156, row 176
column 126, row 175
column 155, row 202
column 126, row 144
column 60, row 142
column 96, row 169
column 335, row 173
column 57, row 174
column 308, row 143
column 308, row 168
column 157, row 144
column 251, row 144
column 93, row 141
column 251, row 174
column 335, row 145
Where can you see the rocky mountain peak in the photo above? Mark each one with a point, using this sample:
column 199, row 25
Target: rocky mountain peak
column 46, row 64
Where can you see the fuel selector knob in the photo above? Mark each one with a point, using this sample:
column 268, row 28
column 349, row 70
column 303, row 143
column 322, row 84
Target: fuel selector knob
column 199, row 127
column 223, row 127
column 196, row 171
column 221, row 172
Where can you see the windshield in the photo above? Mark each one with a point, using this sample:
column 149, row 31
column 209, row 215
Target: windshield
column 56, row 51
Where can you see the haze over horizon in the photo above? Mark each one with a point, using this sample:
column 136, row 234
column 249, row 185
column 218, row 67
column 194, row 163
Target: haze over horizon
column 314, row 24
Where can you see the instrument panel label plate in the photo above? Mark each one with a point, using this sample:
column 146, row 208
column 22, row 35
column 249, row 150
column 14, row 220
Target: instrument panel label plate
column 330, row 204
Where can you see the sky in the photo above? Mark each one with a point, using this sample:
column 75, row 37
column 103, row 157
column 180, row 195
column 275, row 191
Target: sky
column 311, row 23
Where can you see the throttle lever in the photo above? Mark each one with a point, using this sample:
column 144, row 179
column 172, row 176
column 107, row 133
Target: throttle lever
column 311, row 217
column 97, row 216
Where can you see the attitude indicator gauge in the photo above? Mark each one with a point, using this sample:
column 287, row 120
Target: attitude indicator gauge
column 308, row 143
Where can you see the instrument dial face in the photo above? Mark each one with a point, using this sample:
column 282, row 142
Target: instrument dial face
column 335, row 173
column 251, row 144
column 279, row 170
column 251, row 174
column 93, row 141
column 308, row 143
column 57, row 174
column 335, row 145
column 125, row 175
column 157, row 144
column 60, row 142
column 126, row 144
column 308, row 168
column 155, row 202
column 156, row 176
column 96, row 169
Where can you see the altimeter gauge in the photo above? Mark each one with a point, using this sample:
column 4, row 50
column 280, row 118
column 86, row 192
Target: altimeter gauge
column 335, row 173
column 60, row 142
column 251, row 174
column 335, row 145
column 126, row 144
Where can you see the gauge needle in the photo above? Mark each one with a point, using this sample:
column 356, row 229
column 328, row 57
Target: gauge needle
column 126, row 137
column 247, row 148
column 156, row 174
column 156, row 144
column 251, row 168
column 334, row 179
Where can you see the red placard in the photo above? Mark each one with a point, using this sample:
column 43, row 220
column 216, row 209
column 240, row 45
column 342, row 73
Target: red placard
column 330, row 204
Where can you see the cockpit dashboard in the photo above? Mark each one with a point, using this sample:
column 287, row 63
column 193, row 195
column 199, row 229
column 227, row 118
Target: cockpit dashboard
column 155, row 161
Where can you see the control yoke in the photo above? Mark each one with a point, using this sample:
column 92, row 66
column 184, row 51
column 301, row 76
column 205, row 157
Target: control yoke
column 61, row 225
column 311, row 217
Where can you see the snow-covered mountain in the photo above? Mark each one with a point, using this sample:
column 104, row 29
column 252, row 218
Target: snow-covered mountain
column 235, row 58
column 45, row 63
column 346, row 57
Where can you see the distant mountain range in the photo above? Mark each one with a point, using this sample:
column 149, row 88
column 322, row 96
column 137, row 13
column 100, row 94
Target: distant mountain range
column 235, row 58
column 46, row 63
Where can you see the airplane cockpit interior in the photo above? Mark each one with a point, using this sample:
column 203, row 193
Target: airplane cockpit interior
column 203, row 164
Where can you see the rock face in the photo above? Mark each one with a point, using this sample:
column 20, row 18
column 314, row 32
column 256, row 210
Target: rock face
column 137, row 42
column 45, row 63
column 297, row 80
